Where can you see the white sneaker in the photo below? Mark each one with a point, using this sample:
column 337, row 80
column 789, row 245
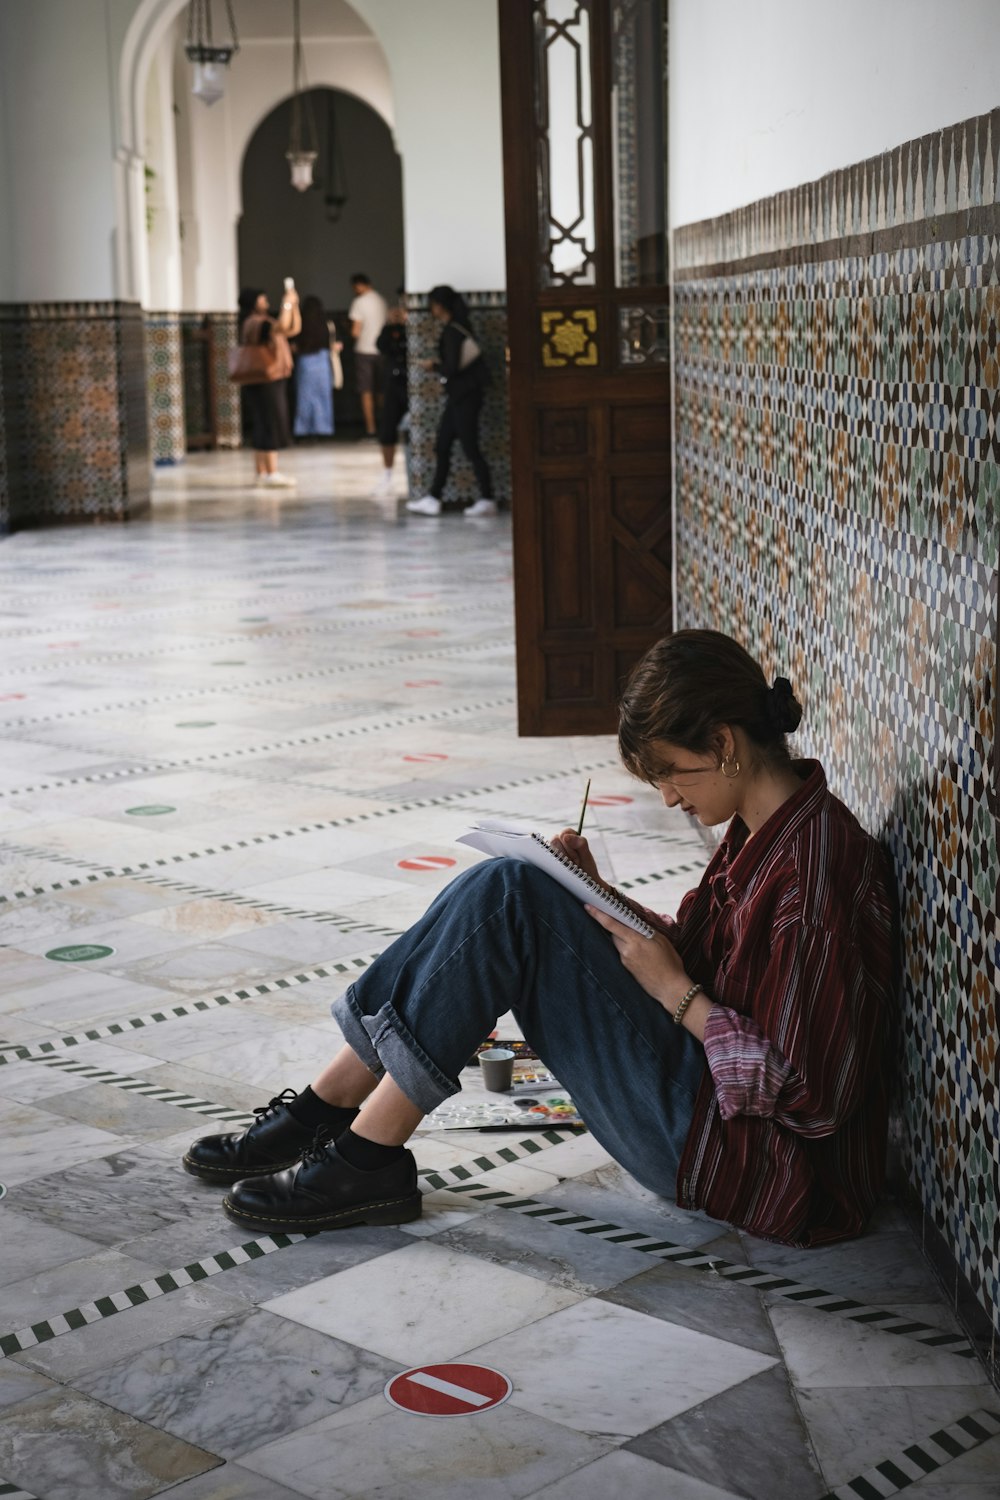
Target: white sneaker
column 385, row 485
column 428, row 506
column 278, row 481
column 482, row 508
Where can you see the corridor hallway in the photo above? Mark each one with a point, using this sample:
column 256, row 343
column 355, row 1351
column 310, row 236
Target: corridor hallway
column 240, row 739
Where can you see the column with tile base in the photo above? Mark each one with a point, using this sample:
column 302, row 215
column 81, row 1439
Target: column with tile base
column 75, row 411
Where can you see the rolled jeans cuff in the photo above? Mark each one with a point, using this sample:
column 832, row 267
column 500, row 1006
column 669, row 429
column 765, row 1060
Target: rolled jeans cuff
column 385, row 1045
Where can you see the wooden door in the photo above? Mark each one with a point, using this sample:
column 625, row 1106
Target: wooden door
column 583, row 88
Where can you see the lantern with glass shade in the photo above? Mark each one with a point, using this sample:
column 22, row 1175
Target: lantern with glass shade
column 209, row 57
column 302, row 149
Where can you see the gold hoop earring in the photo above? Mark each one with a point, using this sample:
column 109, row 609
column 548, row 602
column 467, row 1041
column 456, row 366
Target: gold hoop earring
column 730, row 761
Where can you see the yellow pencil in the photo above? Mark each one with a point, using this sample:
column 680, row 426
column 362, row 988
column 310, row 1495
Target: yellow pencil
column 583, row 807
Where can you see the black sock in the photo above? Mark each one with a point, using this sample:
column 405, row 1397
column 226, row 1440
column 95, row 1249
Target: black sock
column 309, row 1109
column 366, row 1156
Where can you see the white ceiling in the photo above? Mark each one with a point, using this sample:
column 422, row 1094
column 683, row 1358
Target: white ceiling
column 259, row 19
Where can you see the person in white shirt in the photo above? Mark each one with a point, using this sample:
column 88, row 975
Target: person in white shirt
column 367, row 314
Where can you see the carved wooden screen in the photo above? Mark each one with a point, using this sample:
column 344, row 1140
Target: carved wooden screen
column 584, row 107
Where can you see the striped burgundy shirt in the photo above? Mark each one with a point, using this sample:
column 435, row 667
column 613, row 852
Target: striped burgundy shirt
column 790, row 933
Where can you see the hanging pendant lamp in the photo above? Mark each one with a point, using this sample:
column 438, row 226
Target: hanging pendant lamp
column 209, row 58
column 302, row 152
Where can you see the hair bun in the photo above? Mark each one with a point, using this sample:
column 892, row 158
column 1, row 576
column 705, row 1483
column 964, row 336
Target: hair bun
column 784, row 712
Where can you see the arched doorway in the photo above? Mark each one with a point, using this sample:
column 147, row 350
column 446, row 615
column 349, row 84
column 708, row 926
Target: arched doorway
column 351, row 219
column 308, row 235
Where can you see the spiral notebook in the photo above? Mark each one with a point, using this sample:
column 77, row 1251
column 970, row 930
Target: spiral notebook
column 502, row 840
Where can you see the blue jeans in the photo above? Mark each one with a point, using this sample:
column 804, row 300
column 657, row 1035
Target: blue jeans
column 504, row 936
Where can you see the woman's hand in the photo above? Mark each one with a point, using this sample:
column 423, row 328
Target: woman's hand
column 426, row 364
column 577, row 849
column 653, row 962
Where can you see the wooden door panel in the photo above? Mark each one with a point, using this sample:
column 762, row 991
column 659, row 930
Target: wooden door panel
column 567, row 592
column 641, row 597
column 569, row 679
column 562, row 432
column 589, row 383
column 640, row 503
column 640, row 429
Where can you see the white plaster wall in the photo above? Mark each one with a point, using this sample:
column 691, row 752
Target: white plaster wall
column 444, row 61
column 212, row 141
column 58, row 101
column 75, row 202
column 432, row 72
column 207, row 193
column 163, row 218
column 773, row 93
column 261, row 77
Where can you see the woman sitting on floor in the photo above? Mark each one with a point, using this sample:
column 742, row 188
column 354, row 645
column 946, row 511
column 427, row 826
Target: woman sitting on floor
column 734, row 1061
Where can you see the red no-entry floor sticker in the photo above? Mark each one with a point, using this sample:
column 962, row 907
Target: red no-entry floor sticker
column 448, row 1390
column 425, row 862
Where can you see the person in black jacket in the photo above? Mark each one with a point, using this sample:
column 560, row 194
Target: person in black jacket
column 391, row 344
column 465, row 376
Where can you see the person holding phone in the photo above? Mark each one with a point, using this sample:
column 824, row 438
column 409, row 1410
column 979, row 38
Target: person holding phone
column 265, row 405
column 734, row 1061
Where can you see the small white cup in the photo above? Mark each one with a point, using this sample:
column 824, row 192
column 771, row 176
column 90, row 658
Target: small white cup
column 497, row 1065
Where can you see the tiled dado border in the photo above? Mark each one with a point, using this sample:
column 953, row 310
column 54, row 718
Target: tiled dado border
column 73, row 390
column 489, row 314
column 165, row 387
column 909, row 189
column 838, row 507
column 175, row 380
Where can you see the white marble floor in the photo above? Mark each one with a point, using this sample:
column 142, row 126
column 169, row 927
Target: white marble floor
column 239, row 740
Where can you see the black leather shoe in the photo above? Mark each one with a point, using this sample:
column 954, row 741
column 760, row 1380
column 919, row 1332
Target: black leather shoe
column 275, row 1140
column 325, row 1192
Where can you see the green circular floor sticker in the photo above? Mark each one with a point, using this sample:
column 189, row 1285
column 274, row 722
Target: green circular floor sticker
column 152, row 811
column 79, row 953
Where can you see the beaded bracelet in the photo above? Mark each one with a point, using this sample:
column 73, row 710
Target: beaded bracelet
column 696, row 989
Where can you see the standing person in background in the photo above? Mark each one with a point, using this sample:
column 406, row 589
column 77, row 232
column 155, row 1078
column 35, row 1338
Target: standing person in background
column 266, row 404
column 313, row 374
column 367, row 314
column 395, row 399
column 465, row 376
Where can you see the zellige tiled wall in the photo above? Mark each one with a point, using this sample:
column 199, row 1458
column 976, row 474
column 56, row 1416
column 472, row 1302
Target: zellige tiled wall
column 838, row 508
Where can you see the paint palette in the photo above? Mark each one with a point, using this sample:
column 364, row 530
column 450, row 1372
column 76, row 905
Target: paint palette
column 536, row 1111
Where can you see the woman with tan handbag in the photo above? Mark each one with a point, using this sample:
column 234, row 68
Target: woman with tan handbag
column 263, row 365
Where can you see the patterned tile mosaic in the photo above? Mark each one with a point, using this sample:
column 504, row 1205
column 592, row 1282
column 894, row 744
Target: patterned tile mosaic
column 489, row 313
column 165, row 387
column 227, row 395
column 838, row 501
column 74, row 382
column 183, row 383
